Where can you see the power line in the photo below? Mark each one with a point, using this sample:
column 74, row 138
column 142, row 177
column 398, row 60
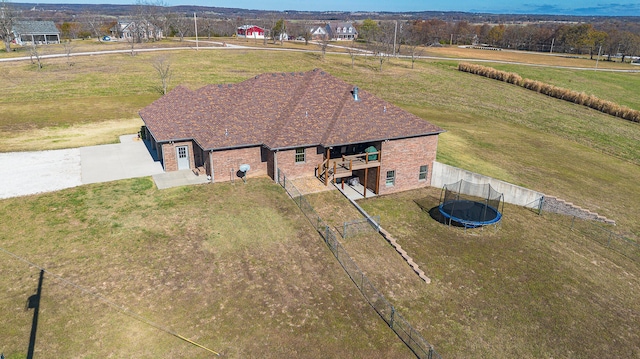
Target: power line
column 110, row 303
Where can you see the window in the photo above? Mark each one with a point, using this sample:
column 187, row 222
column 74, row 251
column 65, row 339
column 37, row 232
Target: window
column 299, row 155
column 424, row 171
column 350, row 30
column 391, row 178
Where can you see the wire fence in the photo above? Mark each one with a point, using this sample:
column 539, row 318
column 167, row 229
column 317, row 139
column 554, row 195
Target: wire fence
column 616, row 242
column 360, row 226
column 414, row 341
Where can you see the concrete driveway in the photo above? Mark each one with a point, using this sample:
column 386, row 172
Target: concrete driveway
column 25, row 173
column 128, row 159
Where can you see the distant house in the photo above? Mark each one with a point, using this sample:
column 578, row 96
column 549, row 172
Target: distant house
column 136, row 31
column 318, row 33
column 341, row 31
column 303, row 123
column 250, row 32
column 38, row 32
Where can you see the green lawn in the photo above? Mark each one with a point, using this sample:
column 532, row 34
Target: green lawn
column 619, row 87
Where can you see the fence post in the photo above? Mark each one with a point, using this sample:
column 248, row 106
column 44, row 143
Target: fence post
column 344, row 230
column 609, row 244
column 573, row 219
column 540, row 205
column 430, row 352
column 393, row 313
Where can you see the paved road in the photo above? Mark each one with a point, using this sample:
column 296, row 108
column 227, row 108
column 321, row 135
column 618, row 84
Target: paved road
column 225, row 46
column 25, row 173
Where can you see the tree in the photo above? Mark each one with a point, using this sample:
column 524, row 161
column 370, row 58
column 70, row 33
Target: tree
column 179, row 24
column 70, row 30
column 68, row 47
column 368, row 30
column 353, row 52
column 93, row 23
column 278, row 30
column 34, row 52
column 412, row 40
column 7, row 19
column 496, row 35
column 323, row 43
column 162, row 65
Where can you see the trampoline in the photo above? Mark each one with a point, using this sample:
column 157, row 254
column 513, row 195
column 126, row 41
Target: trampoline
column 471, row 205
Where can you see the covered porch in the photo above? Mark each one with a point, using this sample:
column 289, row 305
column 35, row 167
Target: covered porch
column 361, row 169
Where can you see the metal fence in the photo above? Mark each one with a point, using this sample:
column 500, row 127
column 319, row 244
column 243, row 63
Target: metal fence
column 596, row 232
column 414, row 341
column 360, row 226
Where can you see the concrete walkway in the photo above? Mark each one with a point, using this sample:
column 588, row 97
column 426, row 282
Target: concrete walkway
column 178, row 178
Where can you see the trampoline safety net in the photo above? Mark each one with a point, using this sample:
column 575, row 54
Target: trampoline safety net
column 470, row 203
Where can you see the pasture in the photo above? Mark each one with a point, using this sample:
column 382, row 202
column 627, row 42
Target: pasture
column 254, row 280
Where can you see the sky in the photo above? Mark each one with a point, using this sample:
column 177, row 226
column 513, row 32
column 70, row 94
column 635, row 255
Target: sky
column 547, row 7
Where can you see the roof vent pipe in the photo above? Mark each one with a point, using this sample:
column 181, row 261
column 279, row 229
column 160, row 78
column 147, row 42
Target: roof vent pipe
column 355, row 93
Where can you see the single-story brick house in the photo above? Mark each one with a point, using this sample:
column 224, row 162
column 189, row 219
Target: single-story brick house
column 303, row 123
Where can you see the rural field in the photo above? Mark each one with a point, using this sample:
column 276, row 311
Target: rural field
column 239, row 270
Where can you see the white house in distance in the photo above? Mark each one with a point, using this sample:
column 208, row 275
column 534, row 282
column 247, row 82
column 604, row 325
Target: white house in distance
column 136, row 31
column 38, row 32
column 250, row 32
column 318, row 33
column 341, row 31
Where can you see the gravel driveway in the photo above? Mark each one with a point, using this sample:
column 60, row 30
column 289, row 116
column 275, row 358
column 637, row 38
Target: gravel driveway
column 24, row 173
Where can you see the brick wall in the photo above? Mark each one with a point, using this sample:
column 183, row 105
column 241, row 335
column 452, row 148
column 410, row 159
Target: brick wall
column 169, row 156
column 405, row 156
column 286, row 162
column 227, row 163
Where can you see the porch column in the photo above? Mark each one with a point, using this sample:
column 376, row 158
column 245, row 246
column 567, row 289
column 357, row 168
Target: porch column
column 366, row 174
column 379, row 170
column 326, row 171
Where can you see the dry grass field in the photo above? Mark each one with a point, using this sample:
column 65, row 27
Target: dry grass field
column 238, row 269
column 235, row 268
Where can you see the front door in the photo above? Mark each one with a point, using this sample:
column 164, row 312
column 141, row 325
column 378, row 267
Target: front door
column 182, row 152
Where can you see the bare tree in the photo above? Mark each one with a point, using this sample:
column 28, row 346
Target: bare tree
column 180, row 24
column 323, row 43
column 353, row 52
column 34, row 52
column 93, row 23
column 382, row 46
column 68, row 47
column 162, row 65
column 412, row 39
column 7, row 19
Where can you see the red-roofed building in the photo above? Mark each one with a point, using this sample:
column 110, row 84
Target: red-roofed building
column 250, row 32
column 304, row 123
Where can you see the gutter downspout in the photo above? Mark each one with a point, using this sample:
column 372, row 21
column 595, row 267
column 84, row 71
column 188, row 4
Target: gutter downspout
column 275, row 166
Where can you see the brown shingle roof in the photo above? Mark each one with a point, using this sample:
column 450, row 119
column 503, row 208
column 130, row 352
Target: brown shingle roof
column 279, row 110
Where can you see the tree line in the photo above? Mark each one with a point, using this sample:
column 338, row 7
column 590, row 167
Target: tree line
column 611, row 38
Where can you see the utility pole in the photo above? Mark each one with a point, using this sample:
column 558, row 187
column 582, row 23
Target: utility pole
column 195, row 22
column 395, row 35
column 598, row 59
